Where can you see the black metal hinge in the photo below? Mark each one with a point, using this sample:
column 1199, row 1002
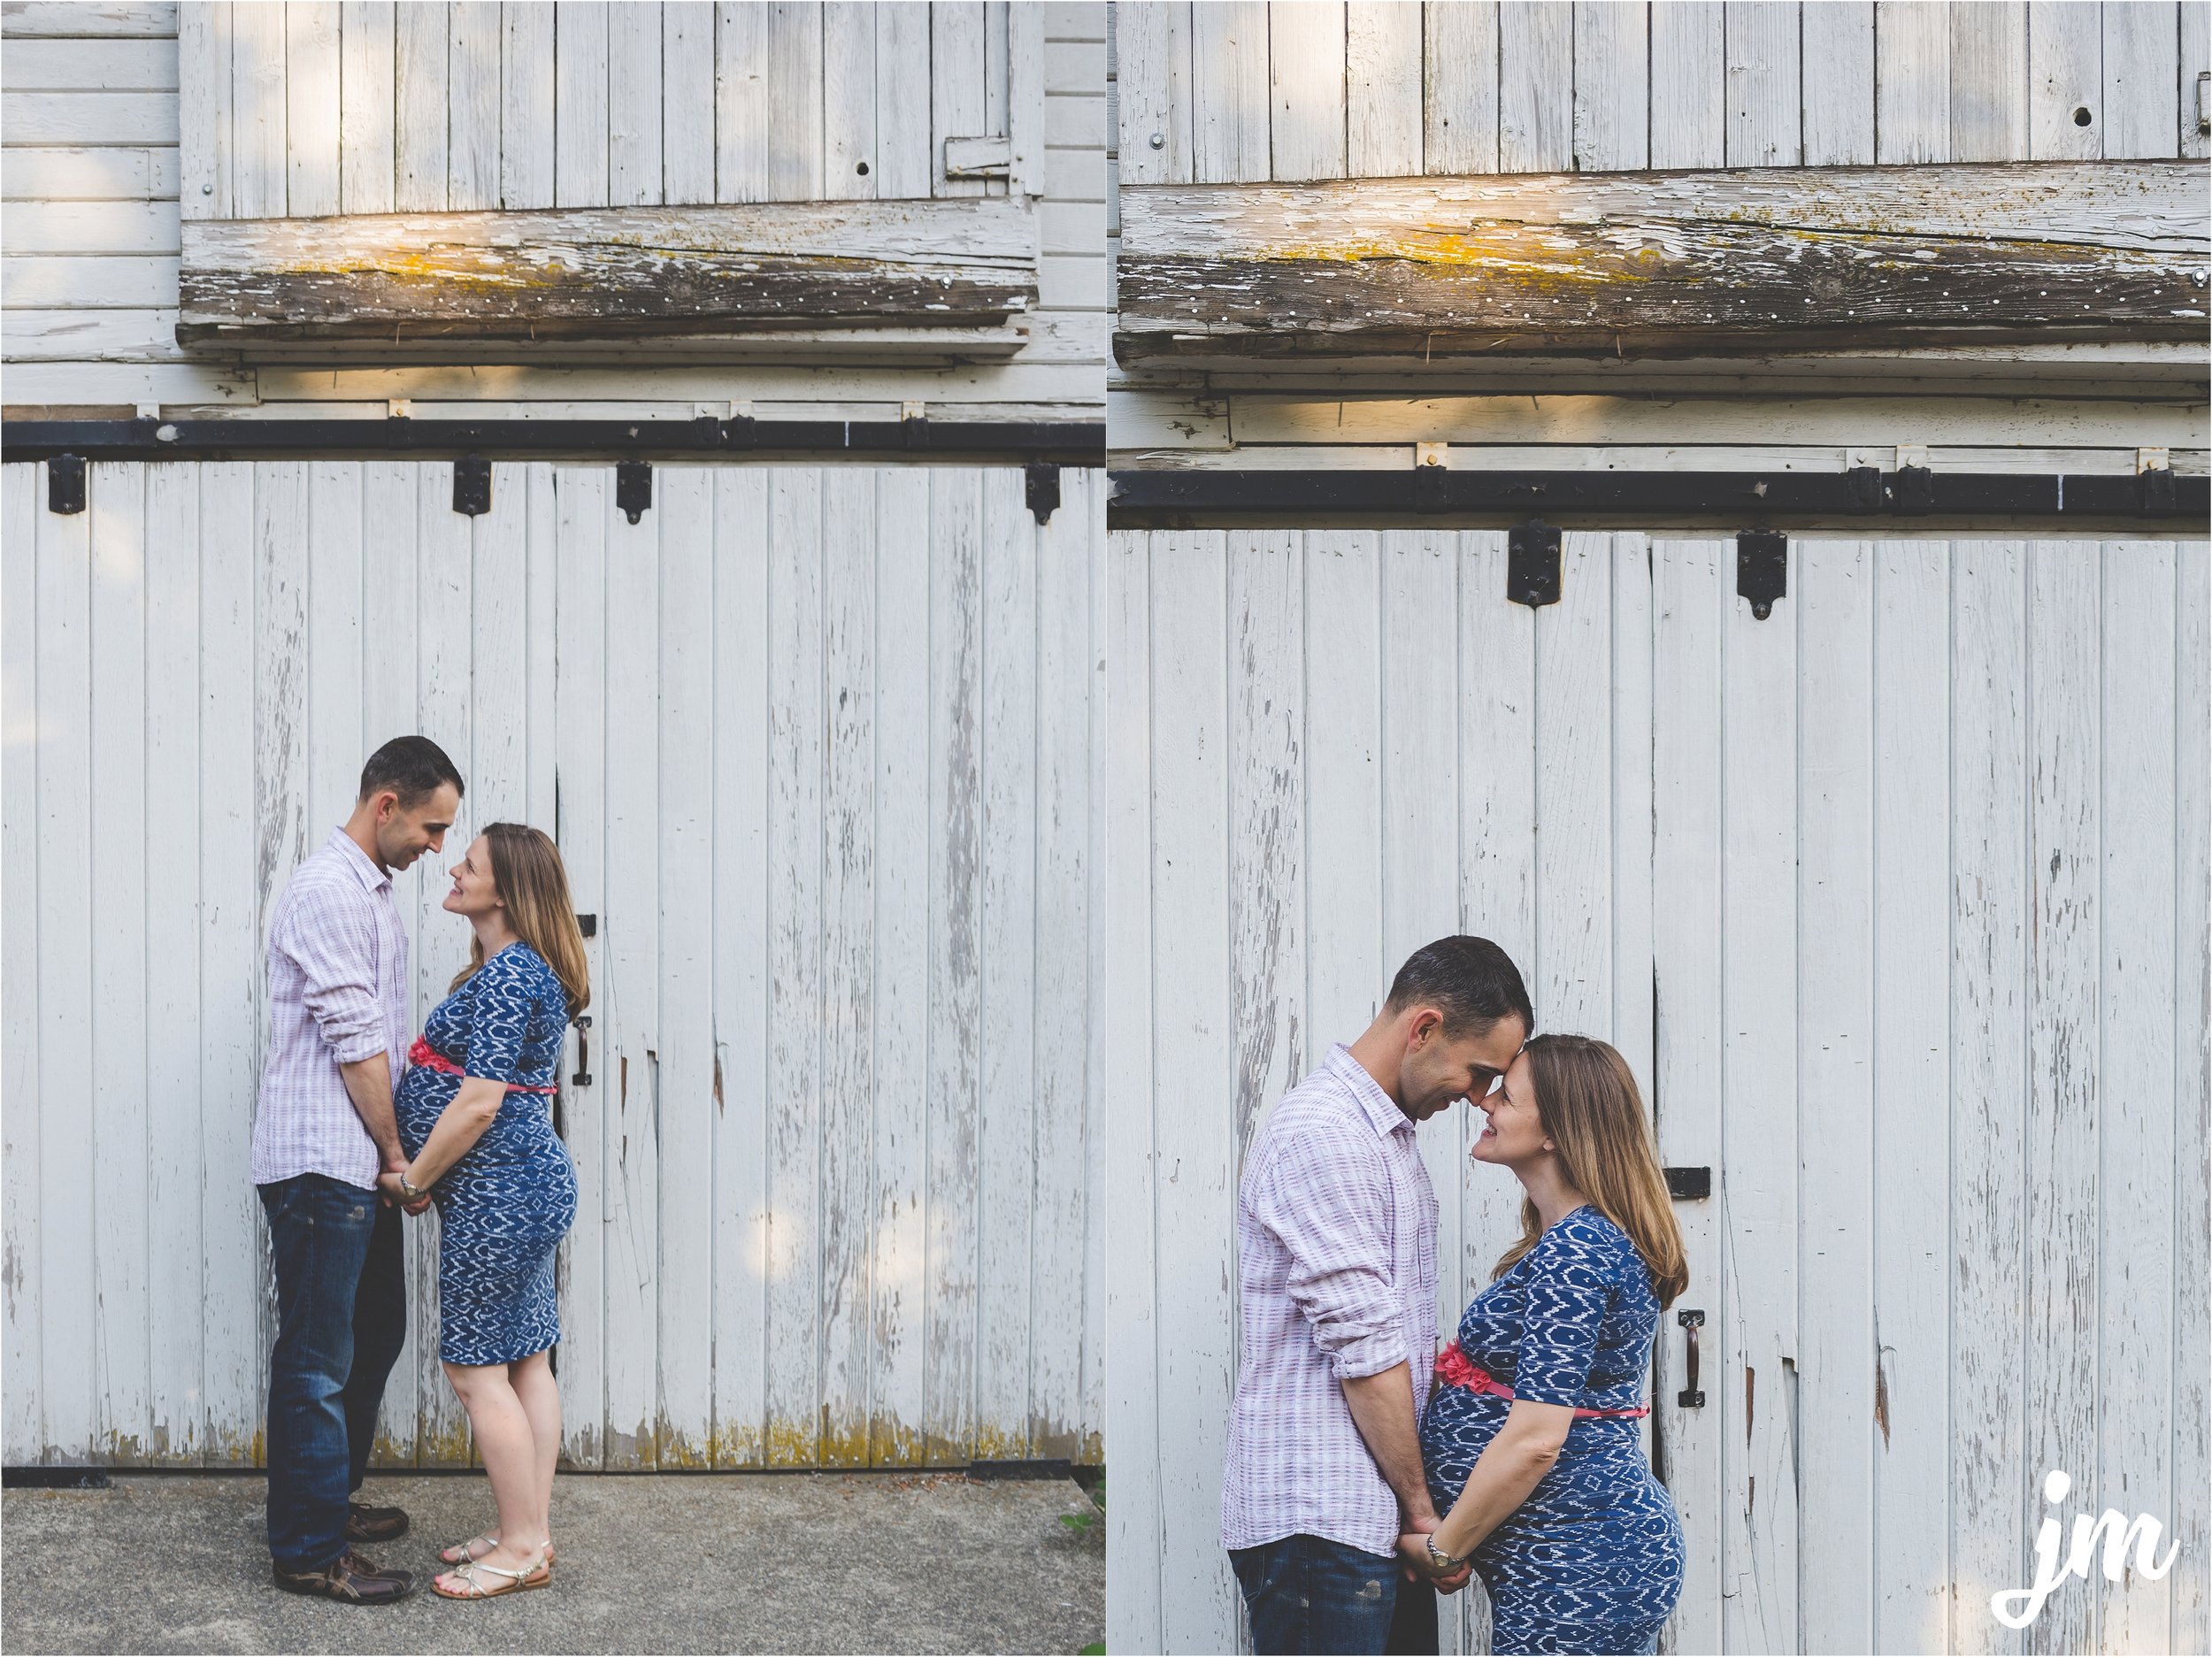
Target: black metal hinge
column 473, row 485
column 1763, row 568
column 64, row 484
column 633, row 488
column 1531, row 564
column 1687, row 1185
column 1040, row 485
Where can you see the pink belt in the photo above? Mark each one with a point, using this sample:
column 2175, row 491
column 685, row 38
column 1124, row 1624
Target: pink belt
column 1456, row 1368
column 423, row 1054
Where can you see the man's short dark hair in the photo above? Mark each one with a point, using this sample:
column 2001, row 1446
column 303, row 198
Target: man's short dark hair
column 412, row 767
column 1470, row 980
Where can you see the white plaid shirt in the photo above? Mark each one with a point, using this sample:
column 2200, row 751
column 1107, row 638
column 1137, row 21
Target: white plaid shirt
column 1336, row 1245
column 337, row 994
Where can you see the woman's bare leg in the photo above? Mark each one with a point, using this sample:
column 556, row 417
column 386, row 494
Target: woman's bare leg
column 541, row 1398
column 505, row 1440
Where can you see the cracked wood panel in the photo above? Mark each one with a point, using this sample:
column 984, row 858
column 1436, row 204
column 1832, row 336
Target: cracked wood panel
column 1523, row 88
column 618, row 684
column 1762, row 257
column 605, row 272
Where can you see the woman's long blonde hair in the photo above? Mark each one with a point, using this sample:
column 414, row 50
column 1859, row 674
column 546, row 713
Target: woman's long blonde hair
column 1586, row 1097
column 527, row 873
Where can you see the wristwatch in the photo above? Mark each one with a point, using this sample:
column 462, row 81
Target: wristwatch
column 409, row 1190
column 1438, row 1558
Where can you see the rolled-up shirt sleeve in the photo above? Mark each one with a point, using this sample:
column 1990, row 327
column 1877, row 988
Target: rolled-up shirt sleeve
column 1327, row 1197
column 331, row 938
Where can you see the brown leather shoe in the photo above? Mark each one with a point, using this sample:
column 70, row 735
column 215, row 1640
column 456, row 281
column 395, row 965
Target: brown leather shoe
column 365, row 1524
column 348, row 1579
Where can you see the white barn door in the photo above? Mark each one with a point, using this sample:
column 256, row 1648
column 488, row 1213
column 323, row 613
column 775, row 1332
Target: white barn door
column 817, row 745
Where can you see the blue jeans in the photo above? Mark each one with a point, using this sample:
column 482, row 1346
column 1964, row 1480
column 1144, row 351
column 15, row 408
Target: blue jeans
column 1306, row 1594
column 341, row 1319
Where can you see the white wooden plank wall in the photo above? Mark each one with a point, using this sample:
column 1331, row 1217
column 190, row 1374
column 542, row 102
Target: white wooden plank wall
column 369, row 107
column 1912, row 1007
column 840, row 1179
column 1218, row 93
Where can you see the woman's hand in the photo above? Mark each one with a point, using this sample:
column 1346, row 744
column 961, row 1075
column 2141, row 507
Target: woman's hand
column 1413, row 1551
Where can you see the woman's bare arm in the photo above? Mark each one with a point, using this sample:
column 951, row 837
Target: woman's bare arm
column 1508, row 1469
column 460, row 1126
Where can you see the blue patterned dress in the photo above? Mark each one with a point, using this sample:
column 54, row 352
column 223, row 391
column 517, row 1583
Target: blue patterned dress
column 1592, row 1561
column 510, row 1199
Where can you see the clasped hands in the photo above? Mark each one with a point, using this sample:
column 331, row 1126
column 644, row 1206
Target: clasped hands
column 387, row 1182
column 1413, row 1556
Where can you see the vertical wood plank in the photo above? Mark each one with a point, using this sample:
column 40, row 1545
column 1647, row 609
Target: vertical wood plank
column 997, row 51
column 2136, row 1140
column 1305, row 70
column 956, row 967
column 420, row 109
column 1612, row 85
column 117, row 1056
column 526, row 107
column 1229, row 92
column 231, row 970
column 1764, row 126
column 2065, row 82
column 2142, row 113
column 846, row 1024
column 1154, row 82
column 1535, row 86
column 2192, row 1094
column 580, row 115
column 630, row 985
column 904, row 808
column 2195, row 93
column 958, row 75
column 2065, row 958
column 741, row 132
column 686, row 114
column 335, row 645
column 1459, row 88
column 1026, row 77
column 742, row 656
column 499, row 666
column 904, row 162
column 1572, row 982
column 1990, row 1493
column 1192, row 1043
column 204, row 120
column 476, row 93
column 1632, row 843
column 1831, row 589
column 1382, row 89
column 1008, row 1127
column 1912, row 85
column 1136, row 1521
column 367, row 59
column 795, row 965
column 1346, row 975
column 584, row 504
column 1912, row 1038
column 176, row 1277
column 635, row 108
column 795, row 101
column 1839, row 37
column 281, row 535
column 312, row 104
column 256, row 114
column 683, row 499
column 1689, row 83
column 1690, row 598
column 1760, row 1104
column 1066, row 1214
column 541, row 516
column 849, row 103
column 387, row 675
column 1988, row 90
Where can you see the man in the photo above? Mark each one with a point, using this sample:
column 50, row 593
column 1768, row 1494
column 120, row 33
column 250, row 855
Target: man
column 1336, row 1238
column 323, row 1135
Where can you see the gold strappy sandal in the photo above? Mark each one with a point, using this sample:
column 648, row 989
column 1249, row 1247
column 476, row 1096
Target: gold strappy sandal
column 537, row 1574
column 477, row 1547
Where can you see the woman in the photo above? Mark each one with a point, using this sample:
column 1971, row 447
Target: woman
column 475, row 1114
column 1529, row 1436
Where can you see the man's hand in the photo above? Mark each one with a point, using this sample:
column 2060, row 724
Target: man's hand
column 387, row 1182
column 1413, row 1554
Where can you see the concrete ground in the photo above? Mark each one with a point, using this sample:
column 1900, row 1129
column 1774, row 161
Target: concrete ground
column 680, row 1562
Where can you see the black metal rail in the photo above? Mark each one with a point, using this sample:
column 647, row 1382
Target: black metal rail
column 1064, row 442
column 1731, row 497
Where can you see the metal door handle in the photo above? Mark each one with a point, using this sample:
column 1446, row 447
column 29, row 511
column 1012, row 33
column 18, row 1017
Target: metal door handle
column 1689, row 1397
column 582, row 1079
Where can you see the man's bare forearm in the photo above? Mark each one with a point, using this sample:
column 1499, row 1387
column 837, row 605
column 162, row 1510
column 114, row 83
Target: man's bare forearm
column 1382, row 1409
column 369, row 1085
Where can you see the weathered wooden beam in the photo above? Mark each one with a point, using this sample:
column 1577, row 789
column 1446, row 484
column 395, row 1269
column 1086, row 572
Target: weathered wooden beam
column 1754, row 259
column 608, row 272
